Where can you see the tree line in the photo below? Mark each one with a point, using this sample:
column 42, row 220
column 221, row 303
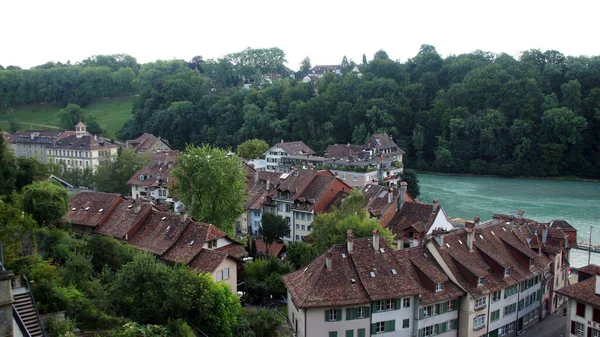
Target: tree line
column 480, row 113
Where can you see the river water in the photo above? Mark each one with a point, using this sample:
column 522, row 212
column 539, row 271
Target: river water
column 577, row 202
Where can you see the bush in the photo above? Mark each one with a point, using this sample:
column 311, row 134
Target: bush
column 61, row 327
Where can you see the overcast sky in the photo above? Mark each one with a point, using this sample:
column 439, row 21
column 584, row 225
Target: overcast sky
column 34, row 32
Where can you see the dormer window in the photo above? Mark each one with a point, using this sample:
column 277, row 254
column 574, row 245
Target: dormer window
column 479, row 281
column 439, row 287
column 506, row 272
column 531, row 262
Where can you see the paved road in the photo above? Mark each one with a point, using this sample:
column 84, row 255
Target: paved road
column 551, row 326
column 34, row 124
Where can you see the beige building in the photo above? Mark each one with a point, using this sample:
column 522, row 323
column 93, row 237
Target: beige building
column 583, row 306
column 33, row 143
column 148, row 143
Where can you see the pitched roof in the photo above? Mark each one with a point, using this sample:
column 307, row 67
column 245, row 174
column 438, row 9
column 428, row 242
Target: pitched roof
column 189, row 243
column 90, row 208
column 159, row 232
column 234, row 250
column 144, row 142
column 344, row 150
column 584, row 291
column 296, row 148
column 158, row 173
column 207, row 260
column 68, row 140
column 124, row 217
column 34, row 136
column 383, row 141
column 275, row 249
column 6, row 135
column 377, row 197
column 420, row 216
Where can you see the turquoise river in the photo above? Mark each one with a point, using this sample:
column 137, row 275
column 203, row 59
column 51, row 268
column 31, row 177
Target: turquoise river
column 577, row 202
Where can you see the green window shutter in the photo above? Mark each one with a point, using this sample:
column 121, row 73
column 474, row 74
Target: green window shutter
column 443, row 307
column 349, row 333
column 455, row 323
column 373, row 329
column 361, row 333
column 398, row 304
column 367, row 312
column 444, row 326
column 339, row 314
column 421, row 313
column 326, row 315
column 348, row 314
column 332, row 333
column 393, row 325
column 374, row 307
column 420, row 332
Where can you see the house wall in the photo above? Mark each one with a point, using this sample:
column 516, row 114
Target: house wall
column 242, row 223
column 6, row 319
column 28, row 150
column 441, row 222
column 255, row 220
column 232, row 280
column 355, row 178
column 317, row 326
column 301, row 227
column 499, row 305
column 296, row 317
column 398, row 315
column 273, row 158
column 587, row 321
column 465, row 318
column 80, row 159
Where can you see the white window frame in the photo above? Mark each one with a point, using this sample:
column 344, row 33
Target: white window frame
column 480, row 302
column 450, row 306
column 439, row 287
column 333, row 315
column 498, row 298
column 226, row 274
column 386, row 305
column 219, row 276
column 579, row 329
column 361, row 312
column 480, row 281
column 406, row 302
column 379, row 327
column 479, row 321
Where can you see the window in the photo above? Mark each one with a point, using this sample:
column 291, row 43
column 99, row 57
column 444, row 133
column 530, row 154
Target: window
column 506, row 272
column 511, row 291
column 381, row 327
column 406, row 302
column 509, row 309
column 478, row 322
column 349, row 333
column 212, row 244
column 297, row 226
column 405, row 323
column 580, row 309
column 479, row 281
column 287, row 208
column 386, row 305
column 219, row 276
column 452, row 324
column 355, row 177
column 226, row 274
column 480, row 303
column 361, row 312
column 495, row 315
column 577, row 328
column 297, row 237
column 439, row 287
column 496, row 296
column 450, row 306
column 333, row 315
column 505, row 330
column 303, row 227
column 596, row 315
column 429, row 331
column 594, row 332
column 343, row 176
column 333, row 334
column 357, row 313
column 427, row 311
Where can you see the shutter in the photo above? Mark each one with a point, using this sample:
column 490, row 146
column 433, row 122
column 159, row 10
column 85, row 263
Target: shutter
column 349, row 333
column 375, row 306
column 361, row 332
column 442, row 327
column 393, row 325
column 349, row 314
column 420, row 332
column 572, row 327
column 398, row 304
column 339, row 314
column 421, row 313
column 373, row 329
column 367, row 312
column 443, row 307
column 589, row 332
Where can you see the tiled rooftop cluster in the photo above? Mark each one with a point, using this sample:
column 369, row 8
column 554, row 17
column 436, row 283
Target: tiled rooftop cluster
column 145, row 142
column 158, row 172
column 174, row 238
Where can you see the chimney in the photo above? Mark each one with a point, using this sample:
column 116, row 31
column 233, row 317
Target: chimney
column 182, row 216
column 597, row 288
column 136, row 208
column 268, row 183
column 255, row 177
column 544, row 233
column 390, row 195
column 436, row 204
column 476, row 221
column 400, row 242
column 328, row 260
column 350, row 240
column 282, row 141
column 296, row 172
column 375, row 239
column 439, row 236
column 520, row 214
column 470, row 235
column 402, row 199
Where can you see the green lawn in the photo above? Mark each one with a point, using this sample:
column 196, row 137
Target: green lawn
column 111, row 114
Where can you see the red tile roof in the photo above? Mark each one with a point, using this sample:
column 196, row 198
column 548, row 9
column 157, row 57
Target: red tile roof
column 144, row 142
column 296, row 148
column 68, row 140
column 345, row 150
column 159, row 232
column 124, row 217
column 91, row 208
column 420, row 216
column 275, row 249
column 189, row 243
column 234, row 250
column 584, row 291
column 207, row 260
column 158, row 172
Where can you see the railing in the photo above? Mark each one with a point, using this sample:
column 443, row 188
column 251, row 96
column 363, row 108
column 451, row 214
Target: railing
column 28, row 287
column 196, row 328
column 20, row 322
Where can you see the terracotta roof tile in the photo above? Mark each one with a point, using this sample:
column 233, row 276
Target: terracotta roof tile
column 418, row 215
column 91, row 208
column 68, row 140
column 275, row 249
column 189, row 243
column 158, row 172
column 584, row 291
column 296, row 148
column 144, row 142
column 123, row 218
column 234, row 250
column 159, row 231
column 207, row 260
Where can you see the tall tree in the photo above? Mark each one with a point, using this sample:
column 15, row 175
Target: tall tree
column 7, row 171
column 273, row 228
column 211, row 183
column 46, row 201
column 112, row 175
column 252, row 148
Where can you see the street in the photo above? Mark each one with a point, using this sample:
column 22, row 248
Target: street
column 551, row 326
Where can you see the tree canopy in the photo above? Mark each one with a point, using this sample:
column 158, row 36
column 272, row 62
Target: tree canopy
column 211, row 183
column 252, row 148
column 112, row 175
column 46, row 201
column 272, row 228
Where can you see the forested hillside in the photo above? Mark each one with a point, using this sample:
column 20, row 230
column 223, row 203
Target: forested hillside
column 479, row 113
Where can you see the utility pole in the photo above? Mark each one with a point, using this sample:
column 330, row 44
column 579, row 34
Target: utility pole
column 590, row 246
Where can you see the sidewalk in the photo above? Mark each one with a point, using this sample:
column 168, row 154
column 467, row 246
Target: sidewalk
column 551, row 326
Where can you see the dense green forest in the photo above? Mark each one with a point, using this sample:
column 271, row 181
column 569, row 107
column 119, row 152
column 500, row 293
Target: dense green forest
column 481, row 113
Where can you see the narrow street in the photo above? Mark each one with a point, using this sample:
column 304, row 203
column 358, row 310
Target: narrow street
column 551, row 326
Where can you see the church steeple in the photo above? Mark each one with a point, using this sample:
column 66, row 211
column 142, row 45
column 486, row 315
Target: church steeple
column 80, row 130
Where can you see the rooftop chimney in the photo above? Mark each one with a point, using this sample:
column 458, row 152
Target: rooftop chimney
column 350, row 240
column 520, row 214
column 182, row 216
column 439, row 236
column 136, row 207
column 402, row 199
column 255, row 177
column 436, row 204
column 470, row 235
column 597, row 288
column 544, row 233
column 476, row 221
column 268, row 183
column 376, row 239
column 328, row 260
column 390, row 195
column 400, row 242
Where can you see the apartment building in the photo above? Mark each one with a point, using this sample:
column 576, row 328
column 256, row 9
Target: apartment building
column 273, row 156
column 583, row 306
column 153, row 181
column 32, row 143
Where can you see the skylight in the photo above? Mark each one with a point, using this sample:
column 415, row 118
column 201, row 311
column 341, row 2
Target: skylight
column 394, row 272
column 352, row 280
column 305, row 269
column 74, row 208
column 447, row 245
column 382, row 250
column 460, row 242
column 481, row 236
column 191, row 242
column 87, row 208
column 344, row 255
column 129, row 206
column 372, row 274
column 100, row 210
column 168, row 227
column 492, row 232
column 163, row 218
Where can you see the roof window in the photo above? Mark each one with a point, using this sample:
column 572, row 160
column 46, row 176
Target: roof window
column 100, row 210
column 481, row 236
column 352, row 280
column 343, row 255
column 87, row 208
column 163, row 218
column 460, row 242
column 492, row 232
column 129, row 206
column 372, row 274
column 74, row 208
column 191, row 242
column 394, row 272
column 168, row 228
column 447, row 245
column 382, row 250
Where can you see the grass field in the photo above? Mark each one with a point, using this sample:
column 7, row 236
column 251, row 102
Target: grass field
column 111, row 114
